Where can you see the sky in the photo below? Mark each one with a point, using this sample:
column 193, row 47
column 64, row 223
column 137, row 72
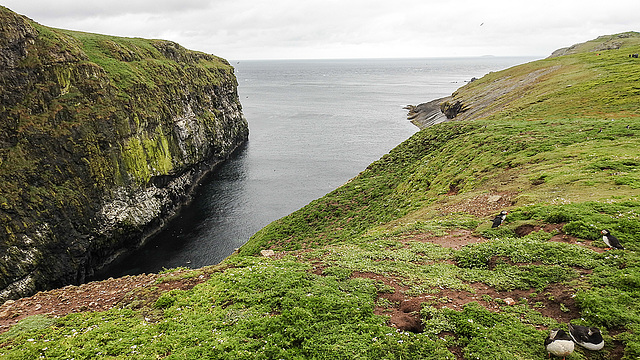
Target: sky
column 339, row 29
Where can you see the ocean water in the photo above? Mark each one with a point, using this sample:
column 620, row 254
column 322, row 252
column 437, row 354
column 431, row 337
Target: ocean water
column 314, row 124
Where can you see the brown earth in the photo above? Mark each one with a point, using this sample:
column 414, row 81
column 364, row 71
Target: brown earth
column 482, row 205
column 556, row 301
column 96, row 296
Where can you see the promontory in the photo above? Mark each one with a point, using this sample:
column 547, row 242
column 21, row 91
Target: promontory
column 102, row 139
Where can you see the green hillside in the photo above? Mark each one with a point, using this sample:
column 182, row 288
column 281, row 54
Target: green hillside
column 401, row 262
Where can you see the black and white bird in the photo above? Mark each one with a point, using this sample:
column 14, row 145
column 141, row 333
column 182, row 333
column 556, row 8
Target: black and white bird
column 589, row 338
column 559, row 343
column 611, row 241
column 497, row 221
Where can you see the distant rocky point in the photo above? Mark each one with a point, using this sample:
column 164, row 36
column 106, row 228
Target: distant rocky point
column 427, row 114
column 459, row 108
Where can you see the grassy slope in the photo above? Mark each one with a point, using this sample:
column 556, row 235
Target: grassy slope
column 560, row 147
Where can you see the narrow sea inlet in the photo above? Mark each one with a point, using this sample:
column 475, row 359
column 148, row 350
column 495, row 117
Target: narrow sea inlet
column 314, row 124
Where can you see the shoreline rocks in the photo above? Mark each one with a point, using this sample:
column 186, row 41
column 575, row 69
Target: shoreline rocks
column 427, row 114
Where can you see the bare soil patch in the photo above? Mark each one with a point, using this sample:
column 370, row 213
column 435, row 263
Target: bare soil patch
column 556, row 301
column 456, row 239
column 526, row 229
column 94, row 296
column 484, row 205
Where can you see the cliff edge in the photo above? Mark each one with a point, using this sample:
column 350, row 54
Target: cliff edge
column 101, row 140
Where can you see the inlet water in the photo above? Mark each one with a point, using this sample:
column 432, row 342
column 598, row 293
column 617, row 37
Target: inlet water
column 314, row 124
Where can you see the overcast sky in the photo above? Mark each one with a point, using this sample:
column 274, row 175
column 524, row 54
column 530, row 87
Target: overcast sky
column 313, row 29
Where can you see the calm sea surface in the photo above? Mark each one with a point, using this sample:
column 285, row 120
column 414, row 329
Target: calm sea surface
column 314, row 124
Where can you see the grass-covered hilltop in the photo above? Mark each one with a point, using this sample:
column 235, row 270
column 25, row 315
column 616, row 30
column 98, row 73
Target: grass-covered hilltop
column 101, row 140
column 401, row 262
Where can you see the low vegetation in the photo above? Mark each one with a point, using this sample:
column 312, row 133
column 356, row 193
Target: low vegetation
column 401, row 262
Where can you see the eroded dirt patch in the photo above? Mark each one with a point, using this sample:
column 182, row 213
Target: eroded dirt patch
column 94, row 296
column 484, row 205
column 556, row 301
column 456, row 239
column 560, row 236
column 403, row 311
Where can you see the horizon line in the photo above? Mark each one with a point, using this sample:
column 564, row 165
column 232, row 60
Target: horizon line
column 390, row 58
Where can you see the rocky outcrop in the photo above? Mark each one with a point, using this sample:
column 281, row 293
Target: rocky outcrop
column 427, row 114
column 451, row 108
column 101, row 141
column 435, row 111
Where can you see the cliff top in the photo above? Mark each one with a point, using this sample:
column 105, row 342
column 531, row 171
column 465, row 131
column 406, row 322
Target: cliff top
column 26, row 44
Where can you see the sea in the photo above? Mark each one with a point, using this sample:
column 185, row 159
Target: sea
column 314, row 124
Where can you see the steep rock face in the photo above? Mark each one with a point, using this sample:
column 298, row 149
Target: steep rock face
column 101, row 140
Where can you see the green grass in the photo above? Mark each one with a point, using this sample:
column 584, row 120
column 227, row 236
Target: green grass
column 257, row 310
column 487, row 335
column 138, row 62
column 527, row 250
column 562, row 147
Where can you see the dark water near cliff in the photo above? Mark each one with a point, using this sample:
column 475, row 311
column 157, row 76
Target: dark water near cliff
column 313, row 126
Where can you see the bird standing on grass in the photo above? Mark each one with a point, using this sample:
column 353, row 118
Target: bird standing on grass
column 559, row 343
column 611, row 241
column 497, row 221
column 589, row 338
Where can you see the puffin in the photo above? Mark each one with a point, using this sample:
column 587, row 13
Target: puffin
column 559, row 343
column 497, row 221
column 589, row 338
column 610, row 240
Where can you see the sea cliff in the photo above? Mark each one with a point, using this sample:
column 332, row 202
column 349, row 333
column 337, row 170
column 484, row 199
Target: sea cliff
column 102, row 139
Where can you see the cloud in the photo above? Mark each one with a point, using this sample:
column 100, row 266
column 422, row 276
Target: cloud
column 74, row 9
column 243, row 29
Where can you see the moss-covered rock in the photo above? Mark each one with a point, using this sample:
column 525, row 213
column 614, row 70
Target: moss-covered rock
column 101, row 139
